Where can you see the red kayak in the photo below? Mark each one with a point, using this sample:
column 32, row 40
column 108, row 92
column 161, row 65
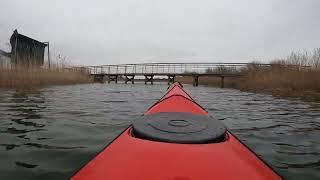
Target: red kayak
column 176, row 139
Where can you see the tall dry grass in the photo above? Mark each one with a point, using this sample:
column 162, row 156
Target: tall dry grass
column 31, row 77
column 296, row 75
column 293, row 78
column 288, row 80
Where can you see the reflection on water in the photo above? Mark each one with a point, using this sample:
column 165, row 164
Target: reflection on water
column 25, row 165
column 50, row 133
column 23, row 108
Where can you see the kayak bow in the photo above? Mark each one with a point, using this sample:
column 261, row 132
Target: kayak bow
column 176, row 139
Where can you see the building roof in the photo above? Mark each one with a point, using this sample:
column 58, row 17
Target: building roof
column 26, row 39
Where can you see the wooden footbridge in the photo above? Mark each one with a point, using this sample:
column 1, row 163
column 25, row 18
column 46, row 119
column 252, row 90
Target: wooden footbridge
column 148, row 71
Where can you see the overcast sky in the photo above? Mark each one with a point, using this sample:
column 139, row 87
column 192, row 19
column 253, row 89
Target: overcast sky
column 133, row 31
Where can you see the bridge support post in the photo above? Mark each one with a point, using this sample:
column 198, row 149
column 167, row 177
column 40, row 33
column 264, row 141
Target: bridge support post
column 148, row 78
column 113, row 77
column 129, row 78
column 222, row 81
column 98, row 78
column 171, row 79
column 195, row 80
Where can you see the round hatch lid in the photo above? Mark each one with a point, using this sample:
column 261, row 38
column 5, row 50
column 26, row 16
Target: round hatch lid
column 179, row 127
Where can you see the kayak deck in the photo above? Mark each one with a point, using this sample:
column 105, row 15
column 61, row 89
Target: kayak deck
column 129, row 157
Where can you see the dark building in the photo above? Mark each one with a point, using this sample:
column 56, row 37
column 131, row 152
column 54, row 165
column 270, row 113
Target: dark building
column 26, row 51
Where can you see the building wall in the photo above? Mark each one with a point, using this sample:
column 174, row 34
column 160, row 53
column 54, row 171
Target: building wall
column 28, row 54
column 26, row 51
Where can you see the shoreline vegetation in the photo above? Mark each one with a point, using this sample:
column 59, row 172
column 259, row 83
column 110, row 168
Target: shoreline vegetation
column 301, row 80
column 23, row 77
column 297, row 75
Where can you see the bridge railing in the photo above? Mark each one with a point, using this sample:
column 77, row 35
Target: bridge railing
column 166, row 68
column 181, row 68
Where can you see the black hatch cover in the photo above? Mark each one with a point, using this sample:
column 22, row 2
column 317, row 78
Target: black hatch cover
column 179, row 127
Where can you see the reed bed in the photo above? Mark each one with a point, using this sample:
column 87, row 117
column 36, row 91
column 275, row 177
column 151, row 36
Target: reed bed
column 287, row 79
column 22, row 77
column 296, row 75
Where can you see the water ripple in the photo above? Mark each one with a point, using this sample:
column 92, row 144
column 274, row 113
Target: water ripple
column 52, row 132
column 13, row 130
column 44, row 146
column 261, row 128
column 315, row 164
column 26, row 165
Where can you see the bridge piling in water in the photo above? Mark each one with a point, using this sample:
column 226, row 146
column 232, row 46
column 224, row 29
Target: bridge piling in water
column 222, row 81
column 113, row 77
column 129, row 78
column 98, row 78
column 148, row 78
column 171, row 79
column 195, row 80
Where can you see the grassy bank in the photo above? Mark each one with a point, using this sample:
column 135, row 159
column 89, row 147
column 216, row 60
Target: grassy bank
column 38, row 77
column 293, row 82
column 297, row 82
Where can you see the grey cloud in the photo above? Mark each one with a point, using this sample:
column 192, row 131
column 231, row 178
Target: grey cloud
column 128, row 31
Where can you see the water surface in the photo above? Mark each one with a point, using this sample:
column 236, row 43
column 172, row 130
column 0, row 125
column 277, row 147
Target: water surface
column 49, row 133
